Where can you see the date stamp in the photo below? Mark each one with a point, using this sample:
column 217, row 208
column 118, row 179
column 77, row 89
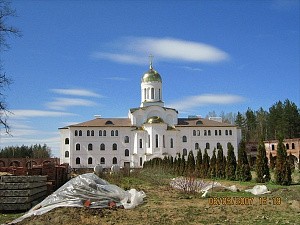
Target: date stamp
column 244, row 200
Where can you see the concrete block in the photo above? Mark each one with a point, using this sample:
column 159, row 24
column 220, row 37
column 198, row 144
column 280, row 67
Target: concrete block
column 17, row 200
column 23, row 179
column 22, row 193
column 18, row 186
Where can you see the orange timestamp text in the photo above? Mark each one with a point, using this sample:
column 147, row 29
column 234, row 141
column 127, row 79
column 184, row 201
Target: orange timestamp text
column 244, row 200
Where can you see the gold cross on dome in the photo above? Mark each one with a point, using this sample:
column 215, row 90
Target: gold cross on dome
column 151, row 60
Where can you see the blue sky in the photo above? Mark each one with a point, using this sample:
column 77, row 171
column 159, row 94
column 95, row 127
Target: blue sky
column 80, row 58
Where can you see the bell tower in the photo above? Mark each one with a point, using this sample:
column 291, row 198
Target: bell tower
column 151, row 87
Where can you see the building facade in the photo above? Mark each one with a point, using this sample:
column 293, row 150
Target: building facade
column 151, row 130
column 292, row 147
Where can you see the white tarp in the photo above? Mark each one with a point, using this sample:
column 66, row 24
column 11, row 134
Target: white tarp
column 258, row 190
column 194, row 185
column 87, row 187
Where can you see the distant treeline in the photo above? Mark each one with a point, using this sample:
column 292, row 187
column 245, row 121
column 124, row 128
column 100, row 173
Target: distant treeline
column 281, row 120
column 33, row 151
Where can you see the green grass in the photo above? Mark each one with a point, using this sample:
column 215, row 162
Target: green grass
column 8, row 217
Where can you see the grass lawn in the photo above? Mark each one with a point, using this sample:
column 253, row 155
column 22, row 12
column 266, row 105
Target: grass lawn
column 164, row 205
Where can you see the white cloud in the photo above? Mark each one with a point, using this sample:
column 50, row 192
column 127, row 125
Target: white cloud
column 121, row 58
column 206, row 99
column 76, row 92
column 136, row 50
column 192, row 68
column 25, row 113
column 63, row 103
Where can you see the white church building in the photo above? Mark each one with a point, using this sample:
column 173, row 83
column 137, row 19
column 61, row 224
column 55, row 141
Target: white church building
column 150, row 131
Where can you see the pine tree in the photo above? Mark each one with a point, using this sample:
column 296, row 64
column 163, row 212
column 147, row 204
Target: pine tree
column 205, row 165
column 272, row 161
column 283, row 175
column 243, row 171
column 231, row 163
column 198, row 163
column 291, row 161
column 220, row 169
column 190, row 167
column 212, row 167
column 262, row 169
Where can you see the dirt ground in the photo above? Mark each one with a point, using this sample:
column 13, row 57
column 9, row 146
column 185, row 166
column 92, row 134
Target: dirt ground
column 164, row 205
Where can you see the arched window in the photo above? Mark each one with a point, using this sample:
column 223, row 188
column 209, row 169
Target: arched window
column 90, row 147
column 287, row 146
column 198, row 132
column 141, row 143
column 112, row 133
column 230, row 132
column 117, row 133
column 226, row 132
column 67, row 141
column 152, row 93
column 67, row 154
column 141, row 161
column 104, row 133
column 171, row 143
column 80, row 133
column 100, row 132
column 220, row 132
column 114, row 146
column 199, row 122
column 184, row 139
column 126, row 152
column 205, row 132
column 207, row 145
column 88, row 133
column 77, row 160
column 92, row 133
column 196, row 146
column 76, row 132
column 216, row 132
column 218, row 145
column 90, row 160
column 126, row 139
column 102, row 146
column 293, row 146
column 114, row 160
column 109, row 122
column 194, row 133
column 209, row 133
column 184, row 152
column 77, row 147
column 156, row 140
column 102, row 160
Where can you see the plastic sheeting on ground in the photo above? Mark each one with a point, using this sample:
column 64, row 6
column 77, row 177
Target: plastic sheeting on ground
column 258, row 190
column 87, row 187
column 194, row 185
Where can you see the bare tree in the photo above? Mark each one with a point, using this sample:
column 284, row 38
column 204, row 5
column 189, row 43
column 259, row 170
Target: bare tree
column 6, row 30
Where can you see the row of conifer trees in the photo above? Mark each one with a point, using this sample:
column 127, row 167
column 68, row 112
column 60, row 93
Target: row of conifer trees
column 226, row 167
